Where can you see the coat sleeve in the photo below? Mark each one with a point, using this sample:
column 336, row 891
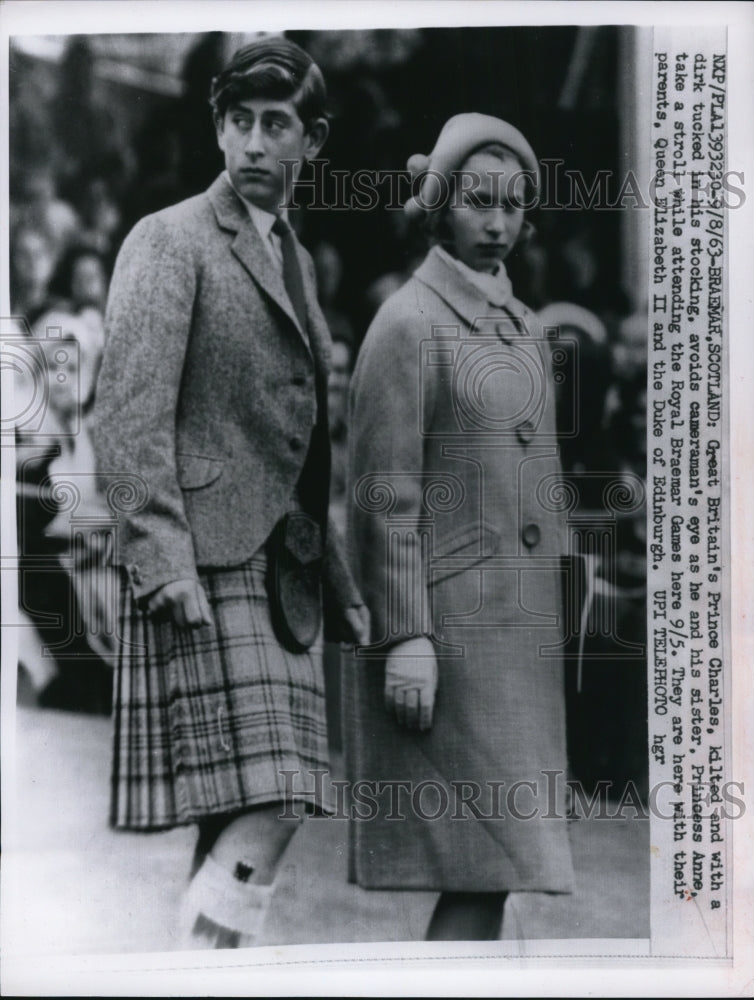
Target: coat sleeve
column 147, row 325
column 391, row 406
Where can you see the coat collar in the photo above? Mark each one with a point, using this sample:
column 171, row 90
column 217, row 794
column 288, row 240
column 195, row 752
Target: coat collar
column 468, row 300
column 247, row 246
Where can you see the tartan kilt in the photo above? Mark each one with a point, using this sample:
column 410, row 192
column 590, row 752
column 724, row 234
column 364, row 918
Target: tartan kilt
column 205, row 720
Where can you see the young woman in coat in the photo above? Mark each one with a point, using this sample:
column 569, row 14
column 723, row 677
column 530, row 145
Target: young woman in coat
column 454, row 715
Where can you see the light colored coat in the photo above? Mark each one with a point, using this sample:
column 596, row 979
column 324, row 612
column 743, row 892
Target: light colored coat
column 457, row 532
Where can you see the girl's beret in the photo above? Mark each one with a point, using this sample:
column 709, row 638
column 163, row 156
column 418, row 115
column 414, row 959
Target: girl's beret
column 459, row 138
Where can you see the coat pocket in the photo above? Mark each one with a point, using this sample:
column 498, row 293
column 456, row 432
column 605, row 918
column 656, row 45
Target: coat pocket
column 194, row 471
column 464, row 551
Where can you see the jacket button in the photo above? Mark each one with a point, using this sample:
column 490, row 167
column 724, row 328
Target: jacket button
column 298, row 380
column 525, row 431
column 531, row 535
column 296, row 443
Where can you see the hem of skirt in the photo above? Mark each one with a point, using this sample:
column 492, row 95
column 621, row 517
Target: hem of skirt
column 161, row 825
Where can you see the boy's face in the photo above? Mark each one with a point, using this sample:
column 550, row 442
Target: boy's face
column 255, row 135
column 486, row 219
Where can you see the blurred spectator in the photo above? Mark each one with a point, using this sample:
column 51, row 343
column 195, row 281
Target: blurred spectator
column 80, row 286
column 56, row 482
column 411, row 248
column 579, row 270
column 385, row 285
column 81, row 280
column 200, row 158
column 36, row 204
column 629, row 359
column 627, row 429
column 158, row 182
column 99, row 215
column 528, row 269
column 382, row 288
column 581, row 401
column 87, row 133
column 617, row 687
column 630, row 348
column 31, row 265
column 29, row 118
column 329, row 268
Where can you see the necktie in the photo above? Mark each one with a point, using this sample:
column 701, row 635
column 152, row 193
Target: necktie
column 294, row 283
column 316, row 471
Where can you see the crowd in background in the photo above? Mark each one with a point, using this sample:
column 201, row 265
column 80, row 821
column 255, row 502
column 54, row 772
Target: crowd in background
column 82, row 174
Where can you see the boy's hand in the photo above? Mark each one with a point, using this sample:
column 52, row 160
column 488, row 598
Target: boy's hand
column 411, row 682
column 183, row 602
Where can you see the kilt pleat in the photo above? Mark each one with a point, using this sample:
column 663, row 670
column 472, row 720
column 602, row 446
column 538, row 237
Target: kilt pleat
column 207, row 720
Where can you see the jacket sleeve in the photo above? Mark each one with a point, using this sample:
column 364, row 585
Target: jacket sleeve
column 339, row 590
column 147, row 325
column 391, row 405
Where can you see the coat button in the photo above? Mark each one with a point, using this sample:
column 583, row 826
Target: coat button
column 296, row 443
column 525, row 431
column 531, row 535
column 298, row 380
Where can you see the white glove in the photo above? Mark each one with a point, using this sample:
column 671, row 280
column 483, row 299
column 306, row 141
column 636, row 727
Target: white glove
column 411, row 682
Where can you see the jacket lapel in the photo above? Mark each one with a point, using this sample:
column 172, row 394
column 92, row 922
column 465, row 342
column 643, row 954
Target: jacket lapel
column 247, row 246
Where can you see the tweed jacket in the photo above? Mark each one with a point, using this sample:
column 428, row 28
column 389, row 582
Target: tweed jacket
column 208, row 393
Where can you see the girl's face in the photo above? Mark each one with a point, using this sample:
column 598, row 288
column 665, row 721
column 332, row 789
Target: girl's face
column 485, row 216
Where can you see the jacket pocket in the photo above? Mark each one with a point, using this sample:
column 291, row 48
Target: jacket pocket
column 194, row 471
column 464, row 552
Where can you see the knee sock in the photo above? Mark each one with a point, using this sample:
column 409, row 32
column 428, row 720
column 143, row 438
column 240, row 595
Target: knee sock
column 223, row 908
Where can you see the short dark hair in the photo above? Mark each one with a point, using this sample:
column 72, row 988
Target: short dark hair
column 277, row 69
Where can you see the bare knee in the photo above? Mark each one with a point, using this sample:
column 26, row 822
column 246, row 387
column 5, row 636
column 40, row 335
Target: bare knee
column 255, row 840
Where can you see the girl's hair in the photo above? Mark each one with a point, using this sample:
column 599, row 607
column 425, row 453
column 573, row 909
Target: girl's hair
column 434, row 223
column 276, row 69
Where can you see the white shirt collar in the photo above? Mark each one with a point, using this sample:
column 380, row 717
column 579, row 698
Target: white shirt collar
column 263, row 220
column 496, row 287
column 263, row 223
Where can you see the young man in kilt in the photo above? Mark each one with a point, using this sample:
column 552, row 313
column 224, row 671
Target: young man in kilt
column 213, row 391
